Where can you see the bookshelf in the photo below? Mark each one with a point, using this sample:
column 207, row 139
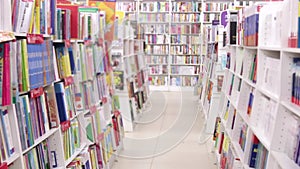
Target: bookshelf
column 131, row 69
column 258, row 117
column 57, row 112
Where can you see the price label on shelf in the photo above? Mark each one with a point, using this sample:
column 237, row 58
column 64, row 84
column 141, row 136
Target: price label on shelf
column 35, row 38
column 117, row 113
column 104, row 100
column 68, row 80
column 67, row 43
column 93, row 109
column 65, row 125
column 36, row 92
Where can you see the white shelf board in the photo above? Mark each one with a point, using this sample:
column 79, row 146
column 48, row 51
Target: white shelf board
column 212, row 12
column 292, row 107
column 268, row 48
column 75, row 154
column 156, row 54
column 154, row 12
column 184, row 64
column 179, row 12
column 238, row 150
column 151, row 22
column 259, row 134
column 13, row 158
column 158, row 44
column 184, row 74
column 154, row 64
column 41, row 139
column 284, row 161
column 269, row 94
column 185, row 22
column 291, row 50
column 158, row 74
column 250, row 47
column 250, row 83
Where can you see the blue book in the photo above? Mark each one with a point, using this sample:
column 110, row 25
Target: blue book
column 52, row 13
column 72, row 61
column 61, row 102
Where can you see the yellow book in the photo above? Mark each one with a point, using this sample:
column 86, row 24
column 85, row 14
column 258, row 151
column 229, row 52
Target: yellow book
column 35, row 159
column 25, row 72
column 37, row 23
column 32, row 18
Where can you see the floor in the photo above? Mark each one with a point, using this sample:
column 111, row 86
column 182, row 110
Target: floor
column 167, row 136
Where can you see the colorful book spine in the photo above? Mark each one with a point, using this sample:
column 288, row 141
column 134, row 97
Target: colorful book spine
column 250, row 103
column 6, row 126
column 61, row 101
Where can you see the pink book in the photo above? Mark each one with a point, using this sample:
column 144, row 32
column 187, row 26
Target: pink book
column 6, row 93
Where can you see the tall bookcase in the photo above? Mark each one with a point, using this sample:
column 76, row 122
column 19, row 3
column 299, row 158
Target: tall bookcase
column 135, row 91
column 169, row 53
column 58, row 105
column 258, row 121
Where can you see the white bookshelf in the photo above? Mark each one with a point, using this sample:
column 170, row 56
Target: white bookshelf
column 272, row 117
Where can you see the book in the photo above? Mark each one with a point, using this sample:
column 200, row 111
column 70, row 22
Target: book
column 253, row 151
column 5, row 97
column 61, row 101
column 7, row 132
column 23, row 13
column 74, row 18
column 25, row 72
column 50, row 99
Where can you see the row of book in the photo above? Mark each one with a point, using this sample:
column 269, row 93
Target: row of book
column 185, row 70
column 126, row 6
column 158, row 69
column 212, row 6
column 210, row 17
column 38, row 157
column 186, row 17
column 295, row 82
column 158, row 80
column 156, row 28
column 36, row 17
column 183, row 81
column 153, row 17
column 70, row 15
column 186, row 6
column 185, row 50
column 185, row 29
column 157, row 50
column 154, row 7
column 156, row 39
column 251, row 25
column 258, row 154
column 185, row 60
column 157, row 59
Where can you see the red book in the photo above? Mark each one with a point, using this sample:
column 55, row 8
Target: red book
column 74, row 19
column 3, row 166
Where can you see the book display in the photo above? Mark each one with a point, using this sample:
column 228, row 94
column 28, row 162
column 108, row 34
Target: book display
column 56, row 112
column 130, row 71
column 258, row 117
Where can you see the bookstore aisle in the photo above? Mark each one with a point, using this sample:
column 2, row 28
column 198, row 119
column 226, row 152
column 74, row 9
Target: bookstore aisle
column 171, row 139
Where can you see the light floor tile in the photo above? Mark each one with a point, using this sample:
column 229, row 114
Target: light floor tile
column 186, row 153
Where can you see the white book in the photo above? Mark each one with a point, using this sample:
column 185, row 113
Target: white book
column 5, row 11
column 25, row 12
